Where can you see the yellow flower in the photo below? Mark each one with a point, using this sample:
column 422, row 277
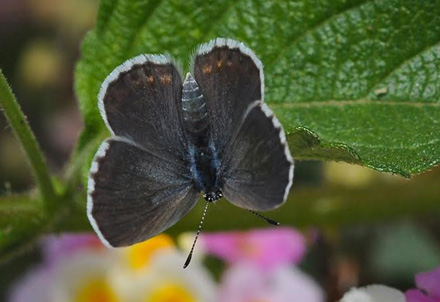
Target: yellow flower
column 167, row 281
column 139, row 255
column 96, row 290
column 170, row 292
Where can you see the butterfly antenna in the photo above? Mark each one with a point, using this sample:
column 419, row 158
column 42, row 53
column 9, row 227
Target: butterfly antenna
column 188, row 260
column 268, row 220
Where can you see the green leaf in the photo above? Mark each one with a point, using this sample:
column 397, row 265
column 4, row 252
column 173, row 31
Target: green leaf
column 350, row 80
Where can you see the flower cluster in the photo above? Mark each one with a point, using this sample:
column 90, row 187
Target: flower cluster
column 260, row 266
column 78, row 268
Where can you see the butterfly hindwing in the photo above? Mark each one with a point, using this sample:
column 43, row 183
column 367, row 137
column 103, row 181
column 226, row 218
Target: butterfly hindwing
column 133, row 194
column 230, row 77
column 257, row 168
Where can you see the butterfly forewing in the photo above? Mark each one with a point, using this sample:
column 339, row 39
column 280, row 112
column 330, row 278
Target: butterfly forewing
column 141, row 100
column 230, row 77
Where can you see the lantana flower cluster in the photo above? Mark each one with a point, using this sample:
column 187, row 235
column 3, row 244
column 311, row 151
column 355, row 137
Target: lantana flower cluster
column 261, row 265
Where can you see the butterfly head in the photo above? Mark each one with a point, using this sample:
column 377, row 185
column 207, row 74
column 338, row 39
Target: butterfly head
column 213, row 195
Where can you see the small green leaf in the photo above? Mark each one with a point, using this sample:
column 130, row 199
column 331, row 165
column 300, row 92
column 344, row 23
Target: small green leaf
column 350, row 80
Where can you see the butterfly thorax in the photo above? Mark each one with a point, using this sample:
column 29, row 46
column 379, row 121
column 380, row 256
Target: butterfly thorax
column 203, row 155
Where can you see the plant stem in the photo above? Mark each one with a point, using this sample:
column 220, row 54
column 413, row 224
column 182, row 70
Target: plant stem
column 23, row 132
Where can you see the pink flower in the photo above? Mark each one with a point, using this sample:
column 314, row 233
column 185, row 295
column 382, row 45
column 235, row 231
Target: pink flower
column 58, row 246
column 266, row 248
column 248, row 283
column 34, row 285
column 429, row 287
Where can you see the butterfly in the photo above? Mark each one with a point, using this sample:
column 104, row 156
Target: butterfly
column 174, row 138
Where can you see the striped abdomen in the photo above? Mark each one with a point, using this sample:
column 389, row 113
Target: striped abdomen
column 203, row 157
column 195, row 115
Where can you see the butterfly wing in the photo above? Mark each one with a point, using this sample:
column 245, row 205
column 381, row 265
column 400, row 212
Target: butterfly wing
column 140, row 182
column 141, row 100
column 230, row 77
column 134, row 195
column 257, row 168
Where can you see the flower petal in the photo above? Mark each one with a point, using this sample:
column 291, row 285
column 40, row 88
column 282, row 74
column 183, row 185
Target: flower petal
column 373, row 293
column 32, row 287
column 430, row 282
column 243, row 282
column 267, row 248
column 292, row 284
column 278, row 246
column 167, row 280
column 140, row 254
column 247, row 282
column 83, row 277
column 58, row 246
column 415, row 295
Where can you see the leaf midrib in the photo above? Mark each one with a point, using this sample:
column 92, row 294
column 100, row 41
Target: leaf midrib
column 342, row 103
column 389, row 147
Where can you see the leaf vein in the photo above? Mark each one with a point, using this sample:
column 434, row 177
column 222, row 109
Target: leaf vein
column 379, row 146
column 341, row 103
column 400, row 65
column 313, row 28
column 134, row 39
column 217, row 21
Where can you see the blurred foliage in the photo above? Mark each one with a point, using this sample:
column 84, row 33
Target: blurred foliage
column 352, row 81
column 402, row 251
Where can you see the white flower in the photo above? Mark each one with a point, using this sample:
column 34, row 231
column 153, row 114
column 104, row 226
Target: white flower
column 374, row 293
column 167, row 280
column 84, row 277
column 152, row 271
